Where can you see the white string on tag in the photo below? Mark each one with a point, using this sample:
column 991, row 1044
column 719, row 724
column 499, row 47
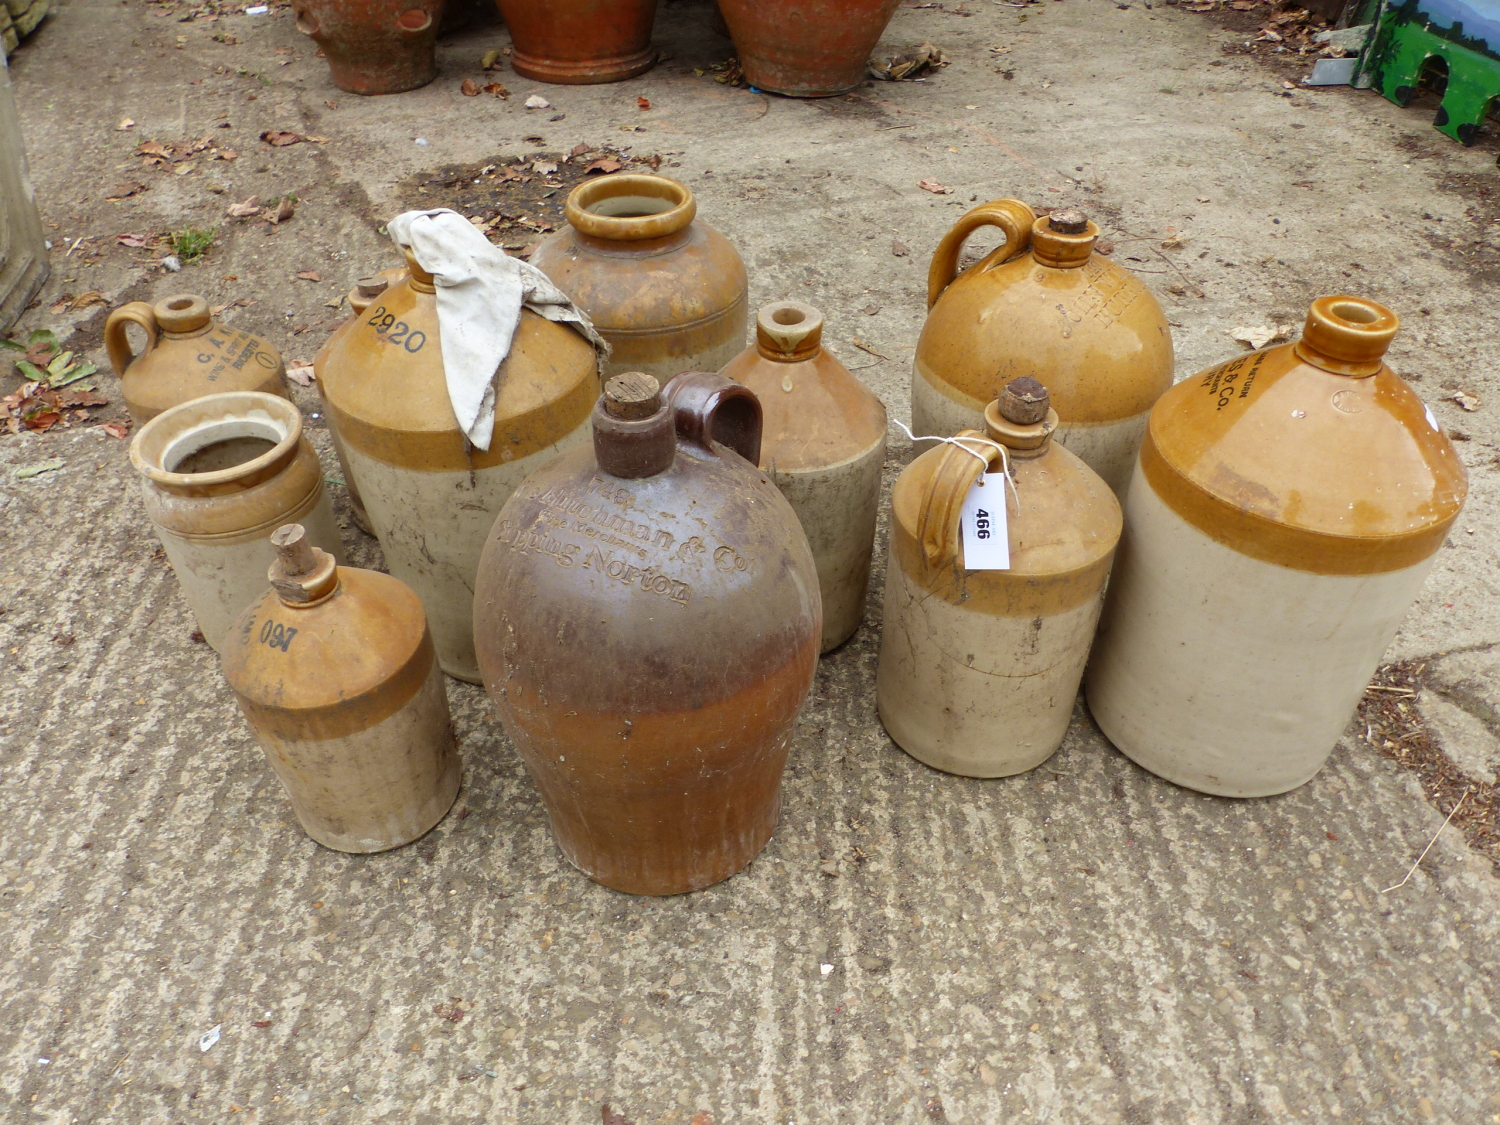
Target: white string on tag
column 959, row 441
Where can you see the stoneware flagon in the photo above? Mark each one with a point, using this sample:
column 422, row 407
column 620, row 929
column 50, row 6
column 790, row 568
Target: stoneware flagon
column 1285, row 509
column 374, row 46
column 647, row 621
column 823, row 444
column 365, row 290
column 430, row 495
column 1043, row 304
column 219, row 475
column 979, row 669
column 335, row 672
column 669, row 293
column 575, row 42
column 187, row 355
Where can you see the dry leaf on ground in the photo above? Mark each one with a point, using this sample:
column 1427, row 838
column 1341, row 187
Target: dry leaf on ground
column 123, row 191
column 1468, row 403
column 536, row 101
column 912, row 63
column 244, row 209
column 309, row 275
column 934, row 187
column 125, row 123
column 644, row 103
column 117, row 429
column 301, row 373
column 604, row 164
column 496, row 89
column 284, row 210
column 470, row 88
column 133, row 240
column 1258, row 336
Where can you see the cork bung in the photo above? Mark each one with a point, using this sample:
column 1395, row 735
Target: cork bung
column 1285, row 509
column 335, row 671
column 667, row 556
column 979, row 668
column 187, row 355
column 823, row 444
column 1043, row 304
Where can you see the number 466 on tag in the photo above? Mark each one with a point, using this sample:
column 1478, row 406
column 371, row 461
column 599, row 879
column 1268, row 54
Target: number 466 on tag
column 986, row 534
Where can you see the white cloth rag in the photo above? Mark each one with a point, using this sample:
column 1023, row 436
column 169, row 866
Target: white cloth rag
column 480, row 293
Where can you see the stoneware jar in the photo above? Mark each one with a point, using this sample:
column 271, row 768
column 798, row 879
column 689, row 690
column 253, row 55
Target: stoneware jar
column 1045, row 305
column 979, row 669
column 220, row 474
column 823, row 444
column 335, row 671
column 806, row 48
column 374, row 46
column 577, row 42
column 187, row 355
column 1285, row 508
column 429, row 494
column 365, row 290
column 668, row 293
column 647, row 621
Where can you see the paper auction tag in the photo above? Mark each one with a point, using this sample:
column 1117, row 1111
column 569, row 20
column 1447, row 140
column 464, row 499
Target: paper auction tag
column 986, row 537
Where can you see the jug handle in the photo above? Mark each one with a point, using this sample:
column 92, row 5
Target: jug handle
column 942, row 502
column 1010, row 215
column 117, row 343
column 709, row 408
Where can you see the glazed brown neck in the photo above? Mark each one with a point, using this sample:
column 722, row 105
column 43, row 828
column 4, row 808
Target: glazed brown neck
column 634, row 432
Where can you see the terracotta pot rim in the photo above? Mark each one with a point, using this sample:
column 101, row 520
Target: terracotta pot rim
column 630, row 228
column 185, row 429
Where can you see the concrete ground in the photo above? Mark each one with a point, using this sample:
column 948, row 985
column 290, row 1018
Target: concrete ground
column 1084, row 943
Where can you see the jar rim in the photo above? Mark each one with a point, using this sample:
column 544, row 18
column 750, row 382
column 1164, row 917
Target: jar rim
column 178, row 433
column 589, row 205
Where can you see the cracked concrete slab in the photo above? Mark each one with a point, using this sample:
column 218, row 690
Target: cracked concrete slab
column 1084, row 943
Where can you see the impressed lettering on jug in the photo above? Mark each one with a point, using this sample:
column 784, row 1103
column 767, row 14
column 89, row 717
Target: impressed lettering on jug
column 230, row 351
column 1231, row 380
column 1106, row 296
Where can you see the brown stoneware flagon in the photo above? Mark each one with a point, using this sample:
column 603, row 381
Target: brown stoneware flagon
column 668, row 293
column 187, row 355
column 335, row 671
column 1043, row 304
column 1285, row 510
column 374, row 46
column 579, row 42
column 979, row 669
column 429, row 494
column 648, row 623
column 823, row 443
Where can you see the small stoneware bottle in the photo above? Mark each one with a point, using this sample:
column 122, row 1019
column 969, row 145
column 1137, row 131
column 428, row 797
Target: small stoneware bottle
column 430, row 495
column 647, row 622
column 334, row 669
column 1042, row 304
column 187, row 355
column 219, row 475
column 979, row 669
column 365, row 290
column 823, row 444
column 1285, row 509
column 668, row 293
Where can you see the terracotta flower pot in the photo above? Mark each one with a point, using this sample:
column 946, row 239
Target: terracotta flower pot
column 374, row 46
column 580, row 42
column 806, row 48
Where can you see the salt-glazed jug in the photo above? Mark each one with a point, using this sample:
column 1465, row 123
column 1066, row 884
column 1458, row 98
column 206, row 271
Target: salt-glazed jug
column 823, row 444
column 219, row 475
column 335, row 671
column 1285, row 509
column 669, row 293
column 648, row 625
column 1043, row 304
column 187, row 355
column 364, row 293
column 430, row 495
column 979, row 668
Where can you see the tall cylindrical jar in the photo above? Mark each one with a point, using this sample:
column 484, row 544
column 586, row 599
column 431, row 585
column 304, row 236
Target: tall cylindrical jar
column 669, row 294
column 187, row 355
column 823, row 444
column 1285, row 509
column 335, row 671
column 219, row 475
column 1042, row 304
column 979, row 669
column 431, row 496
column 647, row 620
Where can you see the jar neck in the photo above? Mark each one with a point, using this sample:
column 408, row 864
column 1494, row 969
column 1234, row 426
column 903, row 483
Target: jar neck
column 1059, row 250
column 1021, row 441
